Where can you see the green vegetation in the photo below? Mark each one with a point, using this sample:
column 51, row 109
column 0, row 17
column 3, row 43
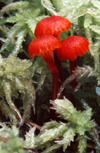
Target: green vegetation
column 25, row 84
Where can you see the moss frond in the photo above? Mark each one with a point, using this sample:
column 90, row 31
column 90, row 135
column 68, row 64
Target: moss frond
column 11, row 19
column 49, row 6
column 65, row 132
column 28, row 98
column 41, row 81
column 15, row 78
column 10, row 37
column 66, row 109
column 59, row 5
column 13, row 142
column 15, row 6
column 68, row 137
column 82, row 144
column 30, row 138
column 17, row 66
column 4, row 29
column 95, row 28
column 31, row 24
column 87, row 20
column 7, row 91
column 9, row 113
column 20, row 38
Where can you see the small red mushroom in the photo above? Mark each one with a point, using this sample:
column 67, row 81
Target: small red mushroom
column 71, row 48
column 44, row 46
column 52, row 25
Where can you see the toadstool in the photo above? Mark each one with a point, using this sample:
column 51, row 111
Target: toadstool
column 44, row 46
column 71, row 48
column 53, row 25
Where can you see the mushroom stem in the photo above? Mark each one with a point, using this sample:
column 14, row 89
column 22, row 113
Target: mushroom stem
column 55, row 77
column 73, row 66
column 59, row 67
column 55, row 84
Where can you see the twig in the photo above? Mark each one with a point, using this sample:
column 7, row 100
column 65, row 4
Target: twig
column 77, row 74
column 3, row 139
column 31, row 123
column 68, row 80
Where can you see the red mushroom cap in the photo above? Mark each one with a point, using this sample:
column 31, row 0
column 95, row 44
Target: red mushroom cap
column 72, row 47
column 52, row 25
column 43, row 45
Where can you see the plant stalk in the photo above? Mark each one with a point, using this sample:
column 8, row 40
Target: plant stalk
column 59, row 67
column 73, row 66
column 61, row 79
column 55, row 84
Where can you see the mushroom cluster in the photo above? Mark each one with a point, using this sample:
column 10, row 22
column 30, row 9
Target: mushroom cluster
column 47, row 34
column 47, row 44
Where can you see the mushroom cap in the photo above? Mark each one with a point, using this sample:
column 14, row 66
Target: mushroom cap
column 42, row 45
column 72, row 47
column 52, row 25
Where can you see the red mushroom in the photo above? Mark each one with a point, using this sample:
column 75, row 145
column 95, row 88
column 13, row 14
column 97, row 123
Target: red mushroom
column 53, row 25
column 44, row 46
column 71, row 48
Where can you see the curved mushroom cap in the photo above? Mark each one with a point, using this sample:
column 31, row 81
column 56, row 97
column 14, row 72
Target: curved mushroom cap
column 42, row 45
column 52, row 25
column 72, row 47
